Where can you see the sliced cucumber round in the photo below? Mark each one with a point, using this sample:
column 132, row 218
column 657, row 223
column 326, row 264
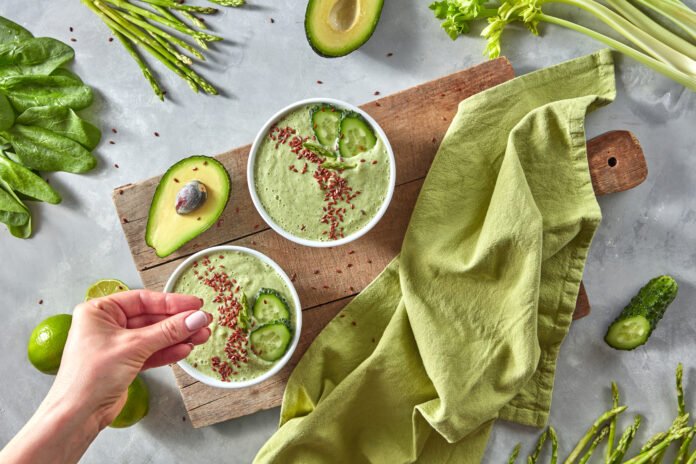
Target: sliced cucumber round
column 356, row 136
column 270, row 306
column 326, row 121
column 628, row 333
column 270, row 341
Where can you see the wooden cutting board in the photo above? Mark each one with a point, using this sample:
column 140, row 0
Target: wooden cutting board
column 415, row 120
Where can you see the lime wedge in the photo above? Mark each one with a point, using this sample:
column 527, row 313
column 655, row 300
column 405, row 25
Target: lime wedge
column 105, row 287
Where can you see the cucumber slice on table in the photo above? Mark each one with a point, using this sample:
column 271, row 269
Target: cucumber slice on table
column 270, row 306
column 270, row 341
column 637, row 321
column 356, row 136
column 326, row 123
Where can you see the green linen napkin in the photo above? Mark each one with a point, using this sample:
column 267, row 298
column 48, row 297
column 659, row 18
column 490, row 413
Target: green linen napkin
column 465, row 326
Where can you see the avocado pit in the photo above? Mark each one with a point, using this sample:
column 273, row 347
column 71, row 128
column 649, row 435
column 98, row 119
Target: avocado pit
column 190, row 197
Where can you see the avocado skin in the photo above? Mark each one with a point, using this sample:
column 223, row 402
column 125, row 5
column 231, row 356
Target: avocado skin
column 317, row 46
column 160, row 188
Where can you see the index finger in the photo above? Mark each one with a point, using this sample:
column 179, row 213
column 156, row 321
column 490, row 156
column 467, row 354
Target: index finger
column 140, row 302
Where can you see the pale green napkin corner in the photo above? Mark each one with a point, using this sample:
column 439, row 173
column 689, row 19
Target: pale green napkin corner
column 465, row 326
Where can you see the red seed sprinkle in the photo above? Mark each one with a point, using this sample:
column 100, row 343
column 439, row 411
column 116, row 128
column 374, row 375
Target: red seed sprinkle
column 116, row 165
column 374, row 161
column 319, row 82
column 376, row 92
column 156, row 134
column 40, row 301
column 378, row 104
column 176, row 180
column 111, row 39
column 114, row 131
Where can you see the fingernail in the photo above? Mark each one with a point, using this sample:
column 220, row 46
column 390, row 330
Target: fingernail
column 196, row 321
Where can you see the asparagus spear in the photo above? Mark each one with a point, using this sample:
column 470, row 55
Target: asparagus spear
column 181, row 6
column 554, row 445
column 598, row 439
column 684, row 448
column 612, row 424
column 515, row 452
column 575, row 454
column 534, row 457
column 143, row 67
column 692, row 459
column 650, row 454
column 625, row 441
column 681, row 405
column 157, row 32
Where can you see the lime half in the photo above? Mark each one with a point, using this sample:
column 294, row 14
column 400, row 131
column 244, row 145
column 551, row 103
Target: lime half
column 105, row 287
column 136, row 407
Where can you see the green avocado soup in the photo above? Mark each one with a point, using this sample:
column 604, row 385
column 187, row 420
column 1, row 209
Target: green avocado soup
column 307, row 200
column 220, row 279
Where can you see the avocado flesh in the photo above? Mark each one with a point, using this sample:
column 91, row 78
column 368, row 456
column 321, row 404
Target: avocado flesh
column 168, row 231
column 338, row 27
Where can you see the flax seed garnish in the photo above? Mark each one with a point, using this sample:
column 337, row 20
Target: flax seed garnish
column 316, row 272
column 111, row 142
column 293, row 277
column 351, row 252
column 325, row 286
column 349, row 265
column 116, row 165
column 352, row 289
column 354, row 323
column 373, row 339
column 114, row 131
column 342, row 315
column 272, row 20
column 73, row 39
column 156, row 134
column 40, row 301
column 120, row 192
column 111, row 39
column 374, row 161
column 390, row 54
column 195, row 169
column 378, row 104
column 256, row 226
column 434, row 140
column 338, row 271
column 125, row 221
column 319, row 82
column 369, row 261
column 376, row 92
column 198, row 218
column 176, row 180
column 71, row 29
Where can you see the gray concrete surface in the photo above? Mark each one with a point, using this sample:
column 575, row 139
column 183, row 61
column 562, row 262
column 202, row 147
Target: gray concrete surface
column 263, row 66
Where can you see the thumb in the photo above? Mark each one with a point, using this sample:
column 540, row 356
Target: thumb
column 173, row 330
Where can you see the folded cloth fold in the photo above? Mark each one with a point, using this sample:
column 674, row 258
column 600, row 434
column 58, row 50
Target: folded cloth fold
column 465, row 325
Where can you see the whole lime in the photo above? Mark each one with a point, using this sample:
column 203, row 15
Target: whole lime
column 136, row 407
column 47, row 341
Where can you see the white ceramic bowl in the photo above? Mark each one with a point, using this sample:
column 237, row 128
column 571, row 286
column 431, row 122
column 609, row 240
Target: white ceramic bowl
column 252, row 184
column 201, row 377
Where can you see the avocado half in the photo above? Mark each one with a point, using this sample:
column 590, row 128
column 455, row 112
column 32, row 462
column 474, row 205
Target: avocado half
column 338, row 27
column 167, row 231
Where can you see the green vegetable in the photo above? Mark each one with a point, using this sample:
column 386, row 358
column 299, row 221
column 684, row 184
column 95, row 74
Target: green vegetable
column 338, row 165
column 244, row 321
column 270, row 306
column 270, row 341
column 684, row 448
column 25, row 181
column 25, row 92
column 7, row 114
column 534, row 457
column 625, row 441
column 598, row 439
column 39, row 128
column 554, row 445
column 612, row 424
column 33, row 56
column 11, row 32
column 652, row 44
column 326, row 121
column 319, row 149
column 62, row 120
column 356, row 136
column 44, row 150
column 637, row 321
column 152, row 26
column 575, row 454
column 515, row 452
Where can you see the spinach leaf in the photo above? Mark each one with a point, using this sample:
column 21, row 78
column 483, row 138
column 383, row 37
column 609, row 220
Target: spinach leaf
column 12, row 211
column 65, row 72
column 33, row 56
column 10, row 32
column 7, row 114
column 25, row 181
column 27, row 91
column 23, row 228
column 63, row 121
column 44, row 150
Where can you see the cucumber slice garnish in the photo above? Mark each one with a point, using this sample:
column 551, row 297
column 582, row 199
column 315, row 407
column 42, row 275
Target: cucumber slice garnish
column 356, row 136
column 270, row 341
column 319, row 149
column 628, row 333
column 326, row 123
column 270, row 306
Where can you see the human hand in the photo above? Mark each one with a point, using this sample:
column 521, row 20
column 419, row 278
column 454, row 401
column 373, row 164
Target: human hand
column 113, row 338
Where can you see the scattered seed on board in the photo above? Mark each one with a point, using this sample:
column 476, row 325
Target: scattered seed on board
column 319, row 82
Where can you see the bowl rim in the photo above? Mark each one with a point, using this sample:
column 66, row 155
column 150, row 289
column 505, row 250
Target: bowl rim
column 252, row 184
column 213, row 382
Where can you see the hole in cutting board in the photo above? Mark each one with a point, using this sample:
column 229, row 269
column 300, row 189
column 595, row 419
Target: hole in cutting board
column 612, row 162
